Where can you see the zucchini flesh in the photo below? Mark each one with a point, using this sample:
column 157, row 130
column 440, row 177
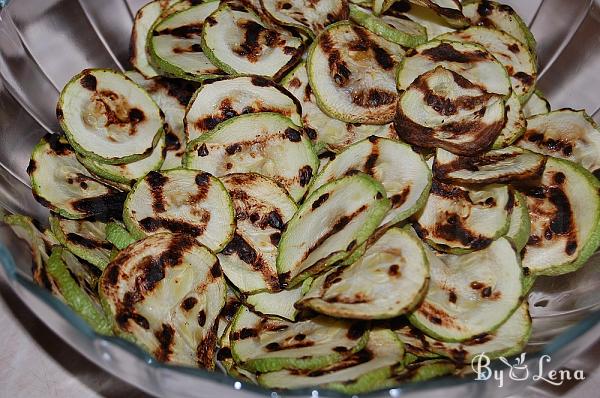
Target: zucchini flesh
column 238, row 41
column 442, row 109
column 327, row 133
column 85, row 239
column 172, row 96
column 520, row 223
column 109, row 118
column 403, row 31
column 165, row 292
column 498, row 165
column 469, row 60
column 280, row 304
column 415, row 341
column 355, row 374
column 514, row 55
column 402, row 172
column 181, row 201
column 225, row 358
column 221, row 99
column 335, row 219
column 565, row 211
column 499, row 16
column 265, row 143
column 175, row 43
column 309, row 16
column 267, row 345
column 434, row 24
column 351, row 72
column 459, row 219
column 536, row 105
column 262, row 209
column 566, row 134
column 73, row 282
column 449, row 10
column 470, row 294
column 60, row 183
column 389, row 279
column 515, row 124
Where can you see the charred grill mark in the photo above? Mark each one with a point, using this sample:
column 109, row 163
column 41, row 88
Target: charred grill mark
column 452, row 296
column 165, row 337
column 400, row 198
column 109, row 205
column 333, row 278
column 562, row 221
column 261, row 81
column 275, row 238
column 293, row 135
column 180, row 89
column 351, row 245
column 112, row 274
column 202, row 318
column 184, row 32
column 86, row 242
column 311, row 133
column 449, row 191
column 357, row 330
column 250, row 256
column 514, row 48
column 156, row 182
column 305, row 175
column 358, row 298
column 153, row 224
column 570, row 247
column 189, row 303
column 524, row 78
column 233, row 148
column 486, row 292
column 215, row 270
column 244, row 333
column 205, row 352
column 251, row 47
column 320, row 200
column 57, row 146
column 207, row 123
column 373, row 98
column 89, row 81
column 274, row 346
column 446, row 52
column 394, row 270
column 136, row 115
column 485, row 8
column 372, row 160
column 436, row 315
column 275, row 221
column 295, row 82
column 203, row 150
column 172, row 142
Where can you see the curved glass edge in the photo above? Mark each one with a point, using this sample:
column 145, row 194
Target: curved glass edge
column 79, row 324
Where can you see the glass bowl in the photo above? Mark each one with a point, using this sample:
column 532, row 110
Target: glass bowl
column 44, row 43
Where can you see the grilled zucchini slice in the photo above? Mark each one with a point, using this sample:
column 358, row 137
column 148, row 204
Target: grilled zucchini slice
column 566, row 134
column 335, row 219
column 402, row 31
column 174, row 44
column 470, row 61
column 311, row 17
column 389, row 279
column 434, row 24
column 221, row 99
column 520, row 223
column 515, row 124
column 280, row 304
column 449, row 10
column 470, row 294
column 85, row 239
column 265, row 143
column 402, row 172
column 536, row 105
column 442, row 109
column 351, row 72
column 108, row 118
column 225, row 358
column 327, row 133
column 499, row 16
column 238, row 41
column 60, row 183
column 118, row 235
column 352, row 375
column 181, row 201
column 498, row 165
column 419, row 371
column 518, row 61
column 262, row 209
column 127, row 173
column 457, row 219
column 165, row 292
column 172, row 96
column 565, row 219
column 267, row 345
column 77, row 287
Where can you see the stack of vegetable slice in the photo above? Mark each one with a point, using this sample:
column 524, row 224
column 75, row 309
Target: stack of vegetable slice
column 315, row 193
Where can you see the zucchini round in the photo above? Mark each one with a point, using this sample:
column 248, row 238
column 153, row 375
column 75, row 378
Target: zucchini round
column 265, row 143
column 262, row 209
column 267, row 345
column 181, row 201
column 174, row 45
column 109, row 118
column 280, row 304
column 434, row 24
column 536, row 105
column 565, row 219
column 515, row 56
column 165, row 292
column 498, row 165
column 471, row 61
column 60, row 183
column 225, row 358
column 566, row 134
column 327, row 133
column 520, row 223
column 238, row 41
column 172, row 96
column 419, row 371
column 351, row 72
column 388, row 280
column 221, row 99
column 335, row 219
column 449, row 10
column 442, row 109
column 85, row 239
column 470, row 294
column 515, row 124
column 459, row 219
column 402, row 31
column 357, row 373
column 310, row 16
column 402, row 172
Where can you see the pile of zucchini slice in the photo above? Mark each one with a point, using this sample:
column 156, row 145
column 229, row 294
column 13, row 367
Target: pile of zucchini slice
column 351, row 195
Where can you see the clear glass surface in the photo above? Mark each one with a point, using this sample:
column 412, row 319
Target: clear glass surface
column 44, row 43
